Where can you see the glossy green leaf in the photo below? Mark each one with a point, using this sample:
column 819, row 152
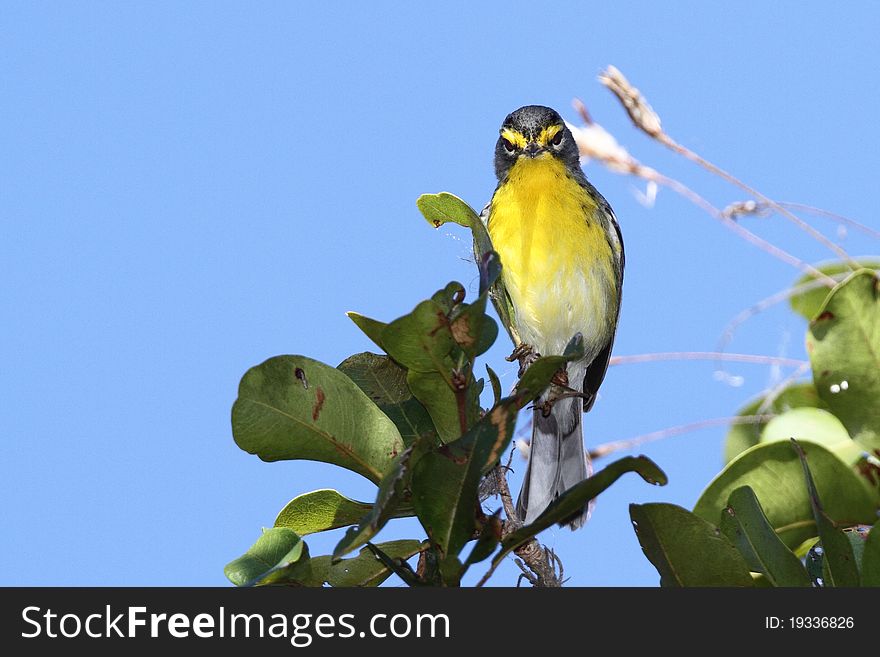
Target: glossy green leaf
column 293, row 407
column 442, row 208
column 384, row 382
column 809, row 300
column 421, row 341
column 816, row 426
column 389, row 502
column 871, row 558
column 398, row 566
column 774, row 473
column 365, row 569
column 742, row 436
column 488, row 540
column 496, row 384
column 537, row 377
column 433, row 392
column 275, row 550
column 576, row 498
column 685, row 549
column 746, row 526
column 372, row 328
column 839, row 567
column 844, row 346
column 449, row 297
column 445, row 482
column 473, row 330
column 319, row 511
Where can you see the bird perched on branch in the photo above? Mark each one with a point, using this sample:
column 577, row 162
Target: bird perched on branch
column 562, row 267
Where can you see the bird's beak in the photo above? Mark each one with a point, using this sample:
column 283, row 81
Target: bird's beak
column 533, row 150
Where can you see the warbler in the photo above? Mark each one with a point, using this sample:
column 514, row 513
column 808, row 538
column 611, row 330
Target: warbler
column 562, row 262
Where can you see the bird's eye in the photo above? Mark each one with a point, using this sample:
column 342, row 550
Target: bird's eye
column 509, row 147
column 557, row 138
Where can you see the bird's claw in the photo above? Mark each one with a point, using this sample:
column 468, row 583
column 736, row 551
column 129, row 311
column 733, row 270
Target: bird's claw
column 560, row 378
column 525, row 355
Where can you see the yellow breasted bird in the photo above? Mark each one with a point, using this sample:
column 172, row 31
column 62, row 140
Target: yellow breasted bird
column 562, row 266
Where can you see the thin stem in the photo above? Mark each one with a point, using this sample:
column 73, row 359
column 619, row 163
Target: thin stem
column 772, row 395
column 764, row 304
column 669, row 142
column 705, row 355
column 651, row 174
column 833, row 216
column 607, row 448
column 619, row 161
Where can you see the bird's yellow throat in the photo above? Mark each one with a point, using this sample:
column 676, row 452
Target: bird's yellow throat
column 557, row 263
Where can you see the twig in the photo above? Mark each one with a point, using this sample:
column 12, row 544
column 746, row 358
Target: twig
column 616, row 158
column 833, row 216
column 607, row 448
column 544, row 568
column 764, row 304
column 644, row 118
column 504, row 493
column 705, row 355
column 772, row 395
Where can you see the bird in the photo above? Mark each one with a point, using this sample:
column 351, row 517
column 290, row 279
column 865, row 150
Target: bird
column 562, row 261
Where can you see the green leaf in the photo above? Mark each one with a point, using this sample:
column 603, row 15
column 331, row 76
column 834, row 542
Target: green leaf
column 365, row 569
column 293, row 407
column 816, row 426
column 397, row 566
column 871, row 558
column 388, row 503
column 445, row 481
column 421, row 341
column 685, row 549
column 839, row 562
column 745, row 524
column 844, row 346
column 742, row 436
column 539, row 374
column 496, row 384
column 372, row 328
column 808, row 302
column 576, row 498
column 384, row 382
column 319, row 511
column 433, row 391
column 487, row 541
column 306, row 573
column 275, row 550
column 449, row 297
column 473, row 330
column 444, row 207
column 773, row 471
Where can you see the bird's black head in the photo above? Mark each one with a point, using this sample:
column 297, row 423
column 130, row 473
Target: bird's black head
column 532, row 131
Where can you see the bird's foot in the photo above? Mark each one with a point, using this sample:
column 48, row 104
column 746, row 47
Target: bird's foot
column 526, row 355
column 560, row 378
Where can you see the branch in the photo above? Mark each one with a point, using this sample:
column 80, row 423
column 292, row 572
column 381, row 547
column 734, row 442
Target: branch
column 594, row 142
column 540, row 565
column 607, row 448
column 644, row 118
column 705, row 355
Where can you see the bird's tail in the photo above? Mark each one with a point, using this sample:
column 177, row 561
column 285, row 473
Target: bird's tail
column 557, row 460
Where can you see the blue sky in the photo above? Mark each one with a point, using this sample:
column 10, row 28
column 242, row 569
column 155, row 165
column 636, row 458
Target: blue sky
column 189, row 189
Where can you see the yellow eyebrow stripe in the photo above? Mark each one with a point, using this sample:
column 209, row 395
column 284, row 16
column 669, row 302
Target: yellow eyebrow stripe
column 548, row 133
column 514, row 137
